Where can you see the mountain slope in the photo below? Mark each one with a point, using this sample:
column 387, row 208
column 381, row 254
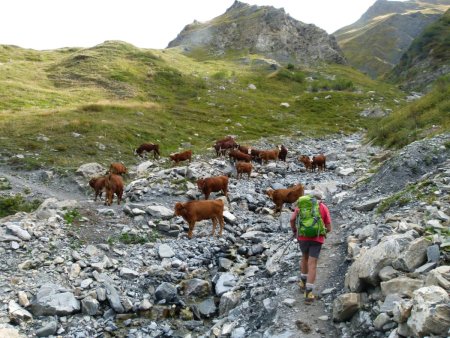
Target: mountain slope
column 261, row 30
column 427, row 58
column 375, row 43
column 423, row 118
column 72, row 106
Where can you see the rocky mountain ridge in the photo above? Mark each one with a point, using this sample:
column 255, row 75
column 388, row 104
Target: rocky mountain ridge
column 375, row 43
column 65, row 277
column 261, row 30
column 426, row 59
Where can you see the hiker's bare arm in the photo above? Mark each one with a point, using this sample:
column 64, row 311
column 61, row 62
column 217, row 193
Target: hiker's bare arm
column 293, row 225
column 328, row 226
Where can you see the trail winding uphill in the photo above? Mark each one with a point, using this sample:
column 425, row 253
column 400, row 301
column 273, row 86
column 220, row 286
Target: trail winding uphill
column 80, row 269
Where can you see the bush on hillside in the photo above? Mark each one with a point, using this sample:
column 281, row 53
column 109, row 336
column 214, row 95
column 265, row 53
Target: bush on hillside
column 13, row 204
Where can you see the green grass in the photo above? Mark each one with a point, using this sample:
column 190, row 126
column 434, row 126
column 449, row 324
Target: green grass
column 423, row 192
column 72, row 215
column 117, row 96
column 129, row 238
column 425, row 117
column 9, row 205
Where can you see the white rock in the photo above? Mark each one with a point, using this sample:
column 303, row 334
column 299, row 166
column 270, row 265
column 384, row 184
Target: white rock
column 165, row 251
column 18, row 231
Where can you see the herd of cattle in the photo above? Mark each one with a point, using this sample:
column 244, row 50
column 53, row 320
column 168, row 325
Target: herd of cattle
column 193, row 211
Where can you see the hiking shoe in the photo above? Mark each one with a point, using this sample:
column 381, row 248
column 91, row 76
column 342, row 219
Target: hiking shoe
column 302, row 285
column 309, row 297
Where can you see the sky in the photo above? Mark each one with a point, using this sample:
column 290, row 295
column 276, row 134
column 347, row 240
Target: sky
column 52, row 24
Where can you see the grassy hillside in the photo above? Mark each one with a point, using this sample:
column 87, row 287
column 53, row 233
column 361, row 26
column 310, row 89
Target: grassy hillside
column 375, row 43
column 66, row 107
column 425, row 117
column 428, row 57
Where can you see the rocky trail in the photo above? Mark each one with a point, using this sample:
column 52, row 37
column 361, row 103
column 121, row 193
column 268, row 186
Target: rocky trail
column 130, row 271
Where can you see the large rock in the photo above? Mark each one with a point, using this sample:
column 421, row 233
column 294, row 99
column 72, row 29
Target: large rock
column 368, row 205
column 143, row 168
column 402, row 310
column 345, row 306
column 196, row 288
column 159, row 211
column 89, row 306
column 165, row 251
column 430, row 313
column 113, row 298
column 414, row 255
column 9, row 332
column 207, row 307
column 366, row 268
column 51, row 206
column 439, row 277
column 52, row 299
column 402, row 286
column 17, row 230
column 166, row 292
column 90, row 170
column 228, row 301
column 225, row 283
column 17, row 314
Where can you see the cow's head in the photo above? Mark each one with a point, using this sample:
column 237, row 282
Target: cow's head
column 179, row 209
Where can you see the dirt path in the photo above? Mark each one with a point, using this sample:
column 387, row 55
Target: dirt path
column 315, row 320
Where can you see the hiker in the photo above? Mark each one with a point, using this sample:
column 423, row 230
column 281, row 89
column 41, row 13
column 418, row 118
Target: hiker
column 310, row 222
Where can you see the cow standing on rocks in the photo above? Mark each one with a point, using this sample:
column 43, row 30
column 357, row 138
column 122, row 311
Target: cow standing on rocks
column 213, row 184
column 113, row 185
column 281, row 196
column 195, row 211
column 98, row 184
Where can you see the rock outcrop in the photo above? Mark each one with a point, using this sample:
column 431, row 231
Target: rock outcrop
column 261, row 30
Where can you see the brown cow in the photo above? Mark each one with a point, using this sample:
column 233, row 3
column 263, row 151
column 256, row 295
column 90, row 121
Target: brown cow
column 221, row 146
column 283, row 153
column 98, row 184
column 244, row 149
column 179, row 157
column 240, row 156
column 255, row 155
column 213, row 184
column 243, row 167
column 319, row 162
column 147, row 147
column 113, row 185
column 267, row 155
column 281, row 196
column 117, row 168
column 194, row 211
column 306, row 162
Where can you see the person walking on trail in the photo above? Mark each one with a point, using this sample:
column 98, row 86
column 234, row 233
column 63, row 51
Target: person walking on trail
column 310, row 222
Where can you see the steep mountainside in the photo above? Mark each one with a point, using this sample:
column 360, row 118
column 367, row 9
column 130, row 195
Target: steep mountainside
column 427, row 58
column 263, row 30
column 375, row 43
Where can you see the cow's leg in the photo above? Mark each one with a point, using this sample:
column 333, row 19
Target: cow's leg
column 214, row 222
column 207, row 195
column 221, row 224
column 191, row 229
column 107, row 198
column 119, row 197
